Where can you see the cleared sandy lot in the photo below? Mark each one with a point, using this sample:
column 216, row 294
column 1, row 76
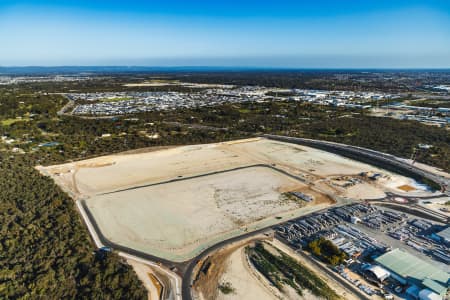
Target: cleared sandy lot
column 176, row 220
column 113, row 172
column 175, row 202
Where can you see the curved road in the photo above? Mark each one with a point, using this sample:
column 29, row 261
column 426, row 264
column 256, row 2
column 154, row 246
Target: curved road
column 185, row 269
column 376, row 158
column 189, row 274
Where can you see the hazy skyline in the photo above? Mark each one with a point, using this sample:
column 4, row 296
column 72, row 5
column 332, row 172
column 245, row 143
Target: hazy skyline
column 323, row 34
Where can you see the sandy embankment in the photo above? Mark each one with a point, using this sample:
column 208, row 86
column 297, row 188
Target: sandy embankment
column 338, row 288
column 248, row 283
column 145, row 274
column 242, row 280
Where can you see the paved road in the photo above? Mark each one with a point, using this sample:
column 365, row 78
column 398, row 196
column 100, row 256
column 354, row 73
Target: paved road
column 189, row 272
column 384, row 160
column 186, row 269
column 100, row 241
column 189, row 275
column 70, row 104
column 174, row 293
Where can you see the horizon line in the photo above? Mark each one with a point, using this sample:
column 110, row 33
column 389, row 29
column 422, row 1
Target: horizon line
column 220, row 67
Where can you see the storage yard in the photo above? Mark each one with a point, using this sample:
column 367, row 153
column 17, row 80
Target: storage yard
column 175, row 202
column 367, row 233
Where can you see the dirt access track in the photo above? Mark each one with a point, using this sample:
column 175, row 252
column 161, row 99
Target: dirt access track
column 174, row 203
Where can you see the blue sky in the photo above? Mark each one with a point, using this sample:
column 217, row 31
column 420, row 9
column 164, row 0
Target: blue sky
column 297, row 34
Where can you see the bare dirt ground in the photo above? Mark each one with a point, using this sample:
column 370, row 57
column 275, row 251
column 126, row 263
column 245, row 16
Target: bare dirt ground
column 112, row 172
column 364, row 191
column 178, row 219
column 134, row 204
column 247, row 283
column 148, row 278
column 406, row 188
column 210, row 270
column 242, row 280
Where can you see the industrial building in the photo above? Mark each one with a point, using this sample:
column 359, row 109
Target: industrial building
column 444, row 235
column 375, row 274
column 410, row 270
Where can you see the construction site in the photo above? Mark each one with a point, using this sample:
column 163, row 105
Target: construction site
column 175, row 202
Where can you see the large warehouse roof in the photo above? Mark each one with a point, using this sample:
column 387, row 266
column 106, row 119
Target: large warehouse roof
column 412, row 268
column 434, row 286
column 379, row 272
column 445, row 234
column 429, row 295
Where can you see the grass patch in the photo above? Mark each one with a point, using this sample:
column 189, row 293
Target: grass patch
column 226, row 288
column 289, row 197
column 9, row 122
column 116, row 99
column 164, row 81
